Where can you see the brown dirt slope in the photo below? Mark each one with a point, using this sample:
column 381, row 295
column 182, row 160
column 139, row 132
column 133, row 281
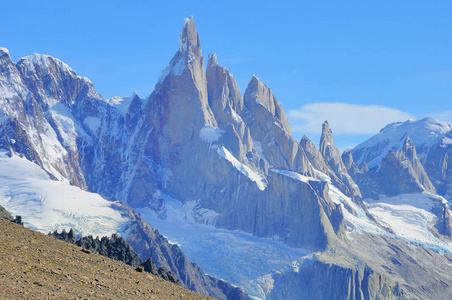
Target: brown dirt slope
column 36, row 266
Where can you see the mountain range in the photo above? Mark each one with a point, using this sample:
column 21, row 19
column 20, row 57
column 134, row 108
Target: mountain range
column 225, row 184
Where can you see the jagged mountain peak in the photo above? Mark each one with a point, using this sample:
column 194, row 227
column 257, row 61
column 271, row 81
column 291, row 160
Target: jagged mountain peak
column 223, row 91
column 364, row 168
column 189, row 38
column 409, row 147
column 30, row 62
column 259, row 92
column 212, row 60
column 334, row 159
column 326, row 138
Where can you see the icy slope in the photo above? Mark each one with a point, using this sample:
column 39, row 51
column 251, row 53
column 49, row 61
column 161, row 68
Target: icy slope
column 235, row 256
column 424, row 133
column 47, row 205
column 410, row 218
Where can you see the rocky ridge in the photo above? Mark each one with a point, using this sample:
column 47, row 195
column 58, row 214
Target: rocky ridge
column 115, row 248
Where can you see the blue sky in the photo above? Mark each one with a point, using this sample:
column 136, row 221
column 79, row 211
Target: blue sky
column 359, row 65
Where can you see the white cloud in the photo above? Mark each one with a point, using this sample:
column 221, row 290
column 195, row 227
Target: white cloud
column 347, row 119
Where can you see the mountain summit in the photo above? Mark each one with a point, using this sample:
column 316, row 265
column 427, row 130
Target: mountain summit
column 189, row 43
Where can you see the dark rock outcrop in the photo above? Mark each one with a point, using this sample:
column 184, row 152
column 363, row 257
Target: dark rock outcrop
column 115, row 248
column 150, row 267
column 66, row 236
column 6, row 215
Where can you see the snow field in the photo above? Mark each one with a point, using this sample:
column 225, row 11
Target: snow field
column 47, row 205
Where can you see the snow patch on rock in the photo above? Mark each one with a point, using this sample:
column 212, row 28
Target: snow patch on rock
column 93, row 124
column 294, row 175
column 176, row 68
column 210, row 134
column 244, row 169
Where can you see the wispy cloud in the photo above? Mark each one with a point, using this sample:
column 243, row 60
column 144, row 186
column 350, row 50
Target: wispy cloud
column 344, row 119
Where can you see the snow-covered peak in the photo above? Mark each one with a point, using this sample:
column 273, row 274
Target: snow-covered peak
column 428, row 123
column 122, row 103
column 189, row 39
column 4, row 52
column 45, row 62
column 38, row 66
column 424, row 134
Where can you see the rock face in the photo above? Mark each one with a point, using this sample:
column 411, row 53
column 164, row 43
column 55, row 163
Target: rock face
column 318, row 162
column 350, row 283
column 350, row 165
column 26, row 125
column 275, row 143
column 444, row 223
column 263, row 95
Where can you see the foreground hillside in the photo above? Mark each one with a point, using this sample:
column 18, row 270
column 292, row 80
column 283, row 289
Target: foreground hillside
column 36, row 266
